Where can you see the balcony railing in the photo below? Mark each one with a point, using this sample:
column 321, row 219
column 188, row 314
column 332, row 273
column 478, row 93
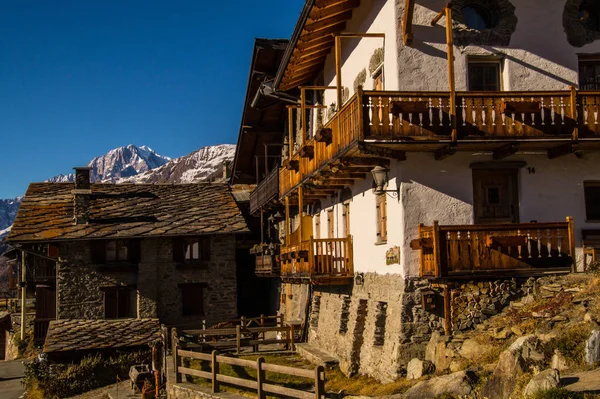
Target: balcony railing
column 320, row 260
column 265, row 192
column 409, row 118
column 265, row 263
column 492, row 249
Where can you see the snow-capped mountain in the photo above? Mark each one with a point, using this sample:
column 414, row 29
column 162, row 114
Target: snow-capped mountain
column 197, row 166
column 132, row 164
column 8, row 212
column 120, row 163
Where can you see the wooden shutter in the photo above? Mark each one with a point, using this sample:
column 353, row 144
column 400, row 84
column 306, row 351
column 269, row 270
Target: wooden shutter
column 381, row 206
column 98, row 250
column 330, row 225
column 110, row 304
column 178, row 249
column 124, row 302
column 346, row 219
column 134, row 251
column 318, row 226
column 205, row 254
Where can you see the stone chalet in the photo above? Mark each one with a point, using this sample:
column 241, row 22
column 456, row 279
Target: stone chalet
column 129, row 251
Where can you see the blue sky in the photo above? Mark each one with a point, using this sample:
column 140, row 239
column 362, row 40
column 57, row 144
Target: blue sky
column 78, row 78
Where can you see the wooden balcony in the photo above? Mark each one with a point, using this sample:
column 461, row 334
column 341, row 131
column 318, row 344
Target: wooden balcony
column 266, row 264
column 375, row 126
column 265, row 192
column 327, row 261
column 524, row 249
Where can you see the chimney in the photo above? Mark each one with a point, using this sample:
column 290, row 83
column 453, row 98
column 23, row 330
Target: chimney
column 81, row 195
column 226, row 170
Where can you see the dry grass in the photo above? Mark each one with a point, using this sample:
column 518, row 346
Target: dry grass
column 336, row 381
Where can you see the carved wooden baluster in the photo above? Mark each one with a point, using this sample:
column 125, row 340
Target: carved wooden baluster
column 370, row 111
column 562, row 110
column 552, row 111
column 522, row 113
column 391, row 116
column 595, row 110
column 554, row 251
column 503, row 116
column 559, row 239
column 420, row 120
column 483, row 111
column 464, row 111
column 543, row 111
column 493, row 113
column 532, row 114
column 410, row 114
column 474, row 111
column 586, row 111
column 380, row 112
column 513, row 114
column 441, row 111
column 430, row 112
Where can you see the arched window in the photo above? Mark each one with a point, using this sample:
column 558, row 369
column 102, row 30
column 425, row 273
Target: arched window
column 479, row 17
column 589, row 14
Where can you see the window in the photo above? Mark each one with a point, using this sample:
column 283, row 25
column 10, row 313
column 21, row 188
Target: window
column 589, row 74
column 479, row 17
column 378, row 80
column 592, row 200
column 589, row 14
column 484, row 76
column 115, row 251
column 381, row 206
column 192, row 299
column 191, row 250
column 119, row 303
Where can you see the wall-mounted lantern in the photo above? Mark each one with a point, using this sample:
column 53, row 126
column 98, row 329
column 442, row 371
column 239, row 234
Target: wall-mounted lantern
column 381, row 179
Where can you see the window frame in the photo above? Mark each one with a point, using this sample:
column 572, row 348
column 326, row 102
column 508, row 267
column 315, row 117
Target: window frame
column 497, row 62
column 591, row 184
column 180, row 251
column 588, row 60
column 196, row 291
column 132, row 301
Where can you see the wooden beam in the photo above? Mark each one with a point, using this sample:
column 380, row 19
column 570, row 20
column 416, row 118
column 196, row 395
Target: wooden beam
column 409, row 8
column 313, row 43
column 338, row 70
column 505, row 151
column 350, row 162
column 300, row 213
column 303, row 117
column 332, row 182
column 382, row 152
column 342, row 176
column 445, row 152
column 560, row 151
column 333, row 10
column 328, row 21
column 287, row 221
column 307, row 37
column 451, row 81
column 325, row 49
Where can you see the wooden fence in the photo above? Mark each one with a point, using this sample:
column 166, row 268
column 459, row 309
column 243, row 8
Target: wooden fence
column 260, row 384
column 239, row 337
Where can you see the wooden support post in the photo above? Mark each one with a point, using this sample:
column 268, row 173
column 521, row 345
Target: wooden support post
column 407, row 35
column 262, row 320
column 447, row 312
column 571, row 230
column 23, row 294
column 215, row 372
column 290, row 132
column 338, row 70
column 243, row 322
column 451, row 81
column 292, row 346
column 303, row 115
column 436, row 248
column 574, row 113
column 178, row 377
column 238, row 339
column 300, row 213
column 361, row 121
column 287, row 221
column 260, row 378
column 319, row 382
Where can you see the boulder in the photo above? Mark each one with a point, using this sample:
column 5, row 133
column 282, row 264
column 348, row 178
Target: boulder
column 472, row 349
column 417, row 368
column 460, row 383
column 516, row 330
column 558, row 361
column 438, row 352
column 543, row 381
column 592, row 348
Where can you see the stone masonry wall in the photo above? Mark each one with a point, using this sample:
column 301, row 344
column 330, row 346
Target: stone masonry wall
column 80, row 283
column 374, row 328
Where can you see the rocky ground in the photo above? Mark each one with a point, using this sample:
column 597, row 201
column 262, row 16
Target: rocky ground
column 545, row 344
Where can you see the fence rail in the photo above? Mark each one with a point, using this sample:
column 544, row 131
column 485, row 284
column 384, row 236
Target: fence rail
column 260, row 384
column 494, row 248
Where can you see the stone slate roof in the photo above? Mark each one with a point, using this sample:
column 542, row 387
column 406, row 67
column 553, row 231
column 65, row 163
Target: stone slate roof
column 127, row 210
column 82, row 335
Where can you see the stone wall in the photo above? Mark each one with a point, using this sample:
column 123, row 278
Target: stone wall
column 80, row 283
column 293, row 301
column 374, row 327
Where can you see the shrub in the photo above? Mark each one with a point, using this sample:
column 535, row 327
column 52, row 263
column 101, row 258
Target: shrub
column 93, row 371
column 557, row 393
column 570, row 342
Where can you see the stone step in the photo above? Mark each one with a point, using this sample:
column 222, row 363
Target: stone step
column 316, row 356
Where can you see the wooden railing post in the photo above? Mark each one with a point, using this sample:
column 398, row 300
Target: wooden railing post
column 238, row 338
column 312, row 262
column 436, row 248
column 571, row 232
column 292, row 346
column 260, row 378
column 178, row 376
column 319, row 382
column 574, row 113
column 361, row 122
column 215, row 372
column 243, row 322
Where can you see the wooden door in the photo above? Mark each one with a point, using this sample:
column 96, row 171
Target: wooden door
column 495, row 196
column 45, row 311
